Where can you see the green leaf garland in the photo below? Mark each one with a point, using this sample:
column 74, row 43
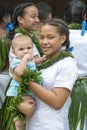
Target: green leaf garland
column 55, row 59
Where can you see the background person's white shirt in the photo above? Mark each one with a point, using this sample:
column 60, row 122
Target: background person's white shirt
column 80, row 50
column 80, row 55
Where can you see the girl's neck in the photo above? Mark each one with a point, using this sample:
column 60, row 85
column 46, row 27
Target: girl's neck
column 53, row 55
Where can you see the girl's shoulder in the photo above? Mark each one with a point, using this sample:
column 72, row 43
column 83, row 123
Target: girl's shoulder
column 67, row 63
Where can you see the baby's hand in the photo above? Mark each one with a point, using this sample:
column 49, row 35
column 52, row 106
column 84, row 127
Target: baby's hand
column 27, row 57
column 43, row 58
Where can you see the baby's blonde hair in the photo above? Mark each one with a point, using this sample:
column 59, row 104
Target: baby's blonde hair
column 19, row 37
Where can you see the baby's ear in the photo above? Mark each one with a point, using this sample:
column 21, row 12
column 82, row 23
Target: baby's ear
column 13, row 50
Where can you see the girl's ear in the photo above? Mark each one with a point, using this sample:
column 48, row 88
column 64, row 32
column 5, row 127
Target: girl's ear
column 63, row 39
column 4, row 20
column 19, row 19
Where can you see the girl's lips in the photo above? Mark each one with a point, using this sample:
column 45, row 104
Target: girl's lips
column 45, row 49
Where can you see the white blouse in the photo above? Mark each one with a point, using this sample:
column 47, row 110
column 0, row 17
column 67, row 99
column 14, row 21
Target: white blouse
column 60, row 74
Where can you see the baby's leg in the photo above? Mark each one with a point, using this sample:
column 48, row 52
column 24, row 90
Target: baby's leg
column 18, row 124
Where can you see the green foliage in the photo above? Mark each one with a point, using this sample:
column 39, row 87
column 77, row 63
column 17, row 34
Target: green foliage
column 28, row 76
column 78, row 108
column 4, row 51
column 9, row 109
column 6, row 118
column 75, row 26
column 54, row 60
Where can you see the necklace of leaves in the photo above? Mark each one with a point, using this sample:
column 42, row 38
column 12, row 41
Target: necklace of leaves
column 54, row 60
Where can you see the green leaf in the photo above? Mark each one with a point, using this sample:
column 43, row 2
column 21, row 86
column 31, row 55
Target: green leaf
column 78, row 108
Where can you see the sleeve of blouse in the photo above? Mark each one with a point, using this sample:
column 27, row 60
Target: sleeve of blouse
column 67, row 75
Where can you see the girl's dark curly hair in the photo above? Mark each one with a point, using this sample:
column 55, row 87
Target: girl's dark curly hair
column 3, row 13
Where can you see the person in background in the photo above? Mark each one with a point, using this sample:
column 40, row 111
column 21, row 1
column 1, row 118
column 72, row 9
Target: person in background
column 5, row 18
column 75, row 16
column 25, row 20
column 59, row 74
column 45, row 11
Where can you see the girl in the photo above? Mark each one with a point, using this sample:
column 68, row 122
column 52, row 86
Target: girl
column 59, row 73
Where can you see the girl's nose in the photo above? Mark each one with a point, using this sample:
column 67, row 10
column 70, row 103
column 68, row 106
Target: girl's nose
column 45, row 41
column 37, row 20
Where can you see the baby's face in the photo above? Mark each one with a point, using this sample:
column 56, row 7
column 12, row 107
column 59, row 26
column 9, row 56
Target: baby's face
column 22, row 46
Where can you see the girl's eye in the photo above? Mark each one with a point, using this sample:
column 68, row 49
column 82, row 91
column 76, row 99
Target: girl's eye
column 34, row 16
column 50, row 37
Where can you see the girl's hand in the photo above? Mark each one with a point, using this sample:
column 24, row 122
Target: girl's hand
column 27, row 107
column 43, row 58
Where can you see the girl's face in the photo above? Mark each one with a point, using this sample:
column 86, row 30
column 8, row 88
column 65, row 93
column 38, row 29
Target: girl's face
column 50, row 40
column 22, row 46
column 30, row 19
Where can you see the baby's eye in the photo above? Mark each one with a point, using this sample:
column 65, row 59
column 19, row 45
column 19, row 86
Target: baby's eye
column 41, row 37
column 21, row 49
column 29, row 48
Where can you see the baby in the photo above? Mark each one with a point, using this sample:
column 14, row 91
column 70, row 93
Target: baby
column 22, row 48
